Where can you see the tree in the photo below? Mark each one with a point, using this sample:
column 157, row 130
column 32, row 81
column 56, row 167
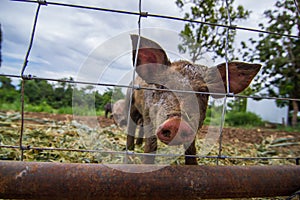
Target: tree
column 0, row 45
column 62, row 94
column 38, row 91
column 6, row 83
column 199, row 39
column 106, row 97
column 117, row 94
column 240, row 104
column 280, row 54
column 111, row 96
column 8, row 91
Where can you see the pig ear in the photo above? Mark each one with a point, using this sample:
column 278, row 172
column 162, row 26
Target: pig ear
column 240, row 76
column 151, row 60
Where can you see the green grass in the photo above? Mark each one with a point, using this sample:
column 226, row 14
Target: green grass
column 289, row 128
column 16, row 106
column 234, row 119
column 44, row 107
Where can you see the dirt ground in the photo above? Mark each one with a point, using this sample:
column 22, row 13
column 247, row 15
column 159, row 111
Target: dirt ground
column 236, row 142
column 256, row 135
column 88, row 120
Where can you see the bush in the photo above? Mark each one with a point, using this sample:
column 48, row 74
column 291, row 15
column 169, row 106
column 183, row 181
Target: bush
column 213, row 115
column 243, row 118
column 42, row 107
column 65, row 110
column 16, row 105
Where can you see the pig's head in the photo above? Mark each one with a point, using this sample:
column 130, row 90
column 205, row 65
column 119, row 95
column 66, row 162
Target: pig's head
column 175, row 116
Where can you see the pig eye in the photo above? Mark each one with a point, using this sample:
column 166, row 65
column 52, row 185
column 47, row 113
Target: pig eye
column 159, row 90
column 161, row 87
column 174, row 115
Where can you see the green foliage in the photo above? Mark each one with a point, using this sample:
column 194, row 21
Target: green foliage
column 6, row 83
column 7, row 91
column 106, row 97
column 295, row 129
column 0, row 45
column 42, row 107
column 213, row 115
column 234, row 117
column 199, row 39
column 62, row 97
column 239, row 104
column 117, row 95
column 65, row 110
column 243, row 119
column 16, row 105
column 280, row 54
column 37, row 91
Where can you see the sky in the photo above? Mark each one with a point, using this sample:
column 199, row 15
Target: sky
column 91, row 45
column 67, row 40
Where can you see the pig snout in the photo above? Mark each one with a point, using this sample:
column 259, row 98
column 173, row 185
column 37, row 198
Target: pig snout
column 175, row 131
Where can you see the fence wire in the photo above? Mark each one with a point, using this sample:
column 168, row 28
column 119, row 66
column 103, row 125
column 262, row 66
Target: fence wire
column 147, row 14
column 229, row 27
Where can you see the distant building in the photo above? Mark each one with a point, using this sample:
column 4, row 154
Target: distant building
column 268, row 110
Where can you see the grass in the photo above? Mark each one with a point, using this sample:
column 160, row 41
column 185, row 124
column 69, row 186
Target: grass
column 44, row 107
column 289, row 128
column 213, row 117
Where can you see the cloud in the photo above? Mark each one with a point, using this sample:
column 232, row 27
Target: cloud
column 94, row 46
column 67, row 37
column 64, row 37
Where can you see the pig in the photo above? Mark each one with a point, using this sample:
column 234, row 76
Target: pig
column 107, row 109
column 175, row 117
column 120, row 114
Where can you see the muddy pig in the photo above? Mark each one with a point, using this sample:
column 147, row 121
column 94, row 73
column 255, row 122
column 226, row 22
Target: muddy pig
column 120, row 115
column 175, row 117
column 107, row 109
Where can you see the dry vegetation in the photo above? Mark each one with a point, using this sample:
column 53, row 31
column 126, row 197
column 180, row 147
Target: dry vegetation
column 64, row 138
column 108, row 142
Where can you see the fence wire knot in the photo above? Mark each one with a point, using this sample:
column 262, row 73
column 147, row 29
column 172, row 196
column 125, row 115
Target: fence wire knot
column 144, row 14
column 28, row 147
column 42, row 2
column 223, row 157
column 137, row 87
column 27, row 77
column 230, row 95
column 232, row 27
column 130, row 153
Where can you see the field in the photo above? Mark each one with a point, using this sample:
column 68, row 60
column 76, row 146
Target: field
column 86, row 139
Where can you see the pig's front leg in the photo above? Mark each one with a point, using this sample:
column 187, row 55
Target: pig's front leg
column 150, row 147
column 139, row 140
column 150, row 143
column 191, row 150
column 130, row 135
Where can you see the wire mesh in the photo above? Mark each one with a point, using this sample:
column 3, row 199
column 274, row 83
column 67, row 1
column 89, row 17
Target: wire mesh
column 229, row 27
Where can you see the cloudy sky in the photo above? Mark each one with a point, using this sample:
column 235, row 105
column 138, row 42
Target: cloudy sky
column 91, row 45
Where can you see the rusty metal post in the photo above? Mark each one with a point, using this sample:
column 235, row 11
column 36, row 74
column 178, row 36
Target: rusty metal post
column 34, row 180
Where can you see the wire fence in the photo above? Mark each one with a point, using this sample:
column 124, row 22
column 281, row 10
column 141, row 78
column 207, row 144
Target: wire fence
column 141, row 16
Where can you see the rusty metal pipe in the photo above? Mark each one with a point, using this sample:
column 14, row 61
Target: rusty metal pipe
column 37, row 180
